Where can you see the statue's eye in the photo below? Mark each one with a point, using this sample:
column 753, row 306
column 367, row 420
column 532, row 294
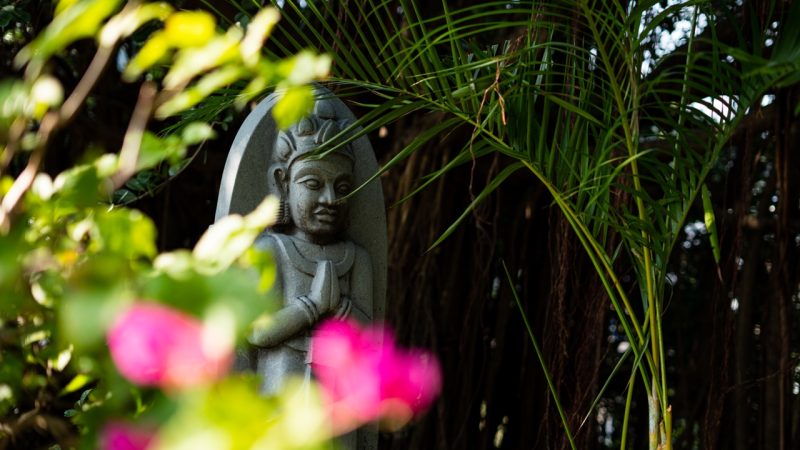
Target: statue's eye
column 311, row 183
column 343, row 188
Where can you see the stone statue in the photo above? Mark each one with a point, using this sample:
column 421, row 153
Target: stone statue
column 322, row 272
column 330, row 248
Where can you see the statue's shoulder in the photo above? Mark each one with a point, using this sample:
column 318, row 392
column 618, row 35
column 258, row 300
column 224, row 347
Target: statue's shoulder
column 265, row 241
column 275, row 243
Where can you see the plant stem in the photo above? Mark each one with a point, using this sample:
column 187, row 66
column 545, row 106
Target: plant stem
column 626, row 417
column 542, row 363
column 129, row 153
column 51, row 122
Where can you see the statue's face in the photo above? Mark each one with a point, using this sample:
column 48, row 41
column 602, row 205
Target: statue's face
column 315, row 192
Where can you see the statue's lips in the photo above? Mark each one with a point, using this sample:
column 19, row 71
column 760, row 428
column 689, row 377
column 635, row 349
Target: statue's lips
column 326, row 215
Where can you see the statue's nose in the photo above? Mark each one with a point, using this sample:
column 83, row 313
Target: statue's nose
column 328, row 195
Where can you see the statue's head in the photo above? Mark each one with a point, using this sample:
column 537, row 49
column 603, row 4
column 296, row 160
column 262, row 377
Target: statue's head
column 313, row 189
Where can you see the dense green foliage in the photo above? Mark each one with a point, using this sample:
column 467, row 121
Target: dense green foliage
column 622, row 134
column 71, row 258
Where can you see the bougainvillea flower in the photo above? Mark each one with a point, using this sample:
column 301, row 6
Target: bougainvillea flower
column 123, row 436
column 155, row 345
column 365, row 377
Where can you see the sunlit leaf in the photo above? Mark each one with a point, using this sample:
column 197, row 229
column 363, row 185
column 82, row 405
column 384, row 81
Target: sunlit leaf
column 305, row 67
column 185, row 29
column 85, row 316
column 152, row 52
column 80, row 20
column 125, row 232
column 197, row 132
column 203, row 88
column 257, row 31
column 130, row 19
column 14, row 103
column 46, row 93
column 710, row 222
column 78, row 382
column 230, row 237
column 294, row 104
column 190, row 62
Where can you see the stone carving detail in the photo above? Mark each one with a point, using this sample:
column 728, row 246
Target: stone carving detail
column 330, row 248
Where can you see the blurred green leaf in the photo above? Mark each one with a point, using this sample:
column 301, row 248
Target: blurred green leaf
column 190, row 62
column 125, row 232
column 77, row 21
column 78, row 382
column 304, row 68
column 232, row 415
column 62, row 359
column 197, row 132
column 152, row 52
column 257, row 31
column 178, row 283
column 233, row 235
column 14, row 103
column 81, row 186
column 294, row 104
column 217, row 79
column 154, row 150
column 85, row 315
column 130, row 19
column 710, row 221
column 264, row 263
column 46, row 287
column 186, row 29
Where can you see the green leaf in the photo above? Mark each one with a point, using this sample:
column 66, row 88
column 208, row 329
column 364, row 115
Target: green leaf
column 294, row 104
column 186, row 29
column 80, row 20
column 130, row 19
column 540, row 357
column 257, row 31
column 126, row 233
column 182, row 283
column 710, row 222
column 78, row 382
column 229, row 238
column 153, row 51
column 154, row 150
column 85, row 185
column 217, row 79
column 85, row 315
column 197, row 132
column 494, row 184
column 190, row 62
column 304, row 67
column 14, row 103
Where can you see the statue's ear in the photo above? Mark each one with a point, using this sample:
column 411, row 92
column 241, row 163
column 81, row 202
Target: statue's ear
column 281, row 180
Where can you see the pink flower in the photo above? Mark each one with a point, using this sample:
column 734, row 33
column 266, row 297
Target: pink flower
column 154, row 345
column 122, row 436
column 364, row 377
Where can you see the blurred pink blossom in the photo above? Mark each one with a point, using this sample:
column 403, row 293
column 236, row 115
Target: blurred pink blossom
column 365, row 377
column 123, row 436
column 155, row 345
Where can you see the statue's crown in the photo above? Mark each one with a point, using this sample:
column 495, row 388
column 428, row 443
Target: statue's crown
column 304, row 137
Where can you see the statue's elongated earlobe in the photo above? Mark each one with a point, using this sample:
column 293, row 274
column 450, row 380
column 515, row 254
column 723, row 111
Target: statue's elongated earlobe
column 281, row 180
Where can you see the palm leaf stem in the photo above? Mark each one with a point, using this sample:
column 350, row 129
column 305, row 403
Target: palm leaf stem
column 551, row 386
column 604, row 271
column 626, row 416
column 630, row 130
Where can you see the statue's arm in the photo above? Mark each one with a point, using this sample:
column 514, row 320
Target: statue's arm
column 301, row 312
column 297, row 316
